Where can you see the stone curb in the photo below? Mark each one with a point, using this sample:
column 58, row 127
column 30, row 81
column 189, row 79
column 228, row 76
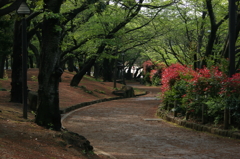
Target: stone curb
column 84, row 104
column 198, row 127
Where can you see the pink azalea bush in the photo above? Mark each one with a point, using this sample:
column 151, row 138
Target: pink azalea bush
column 192, row 88
column 174, row 73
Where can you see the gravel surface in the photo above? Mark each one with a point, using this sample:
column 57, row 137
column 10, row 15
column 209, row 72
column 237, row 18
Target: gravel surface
column 129, row 129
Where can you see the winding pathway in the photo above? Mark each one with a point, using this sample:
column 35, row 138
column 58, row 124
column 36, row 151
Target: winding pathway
column 128, row 129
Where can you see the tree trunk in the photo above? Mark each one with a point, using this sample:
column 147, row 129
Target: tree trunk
column 175, row 108
column 89, row 71
column 96, row 71
column 30, row 62
column 70, row 65
column 115, row 74
column 226, row 118
column 78, row 77
column 2, row 60
column 225, row 51
column 200, row 42
column 36, row 53
column 214, row 28
column 203, row 114
column 6, row 62
column 16, row 90
column 128, row 75
column 48, row 114
column 108, row 70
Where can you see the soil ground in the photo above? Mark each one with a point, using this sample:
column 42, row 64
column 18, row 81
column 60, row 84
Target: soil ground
column 22, row 139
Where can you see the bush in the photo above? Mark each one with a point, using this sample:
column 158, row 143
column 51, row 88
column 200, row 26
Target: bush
column 156, row 81
column 152, row 72
column 204, row 87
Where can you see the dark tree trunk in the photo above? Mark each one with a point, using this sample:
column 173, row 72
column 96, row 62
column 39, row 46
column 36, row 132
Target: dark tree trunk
column 89, row 71
column 6, row 62
column 36, row 53
column 48, row 114
column 225, row 52
column 16, row 91
column 78, row 77
column 211, row 41
column 30, row 61
column 200, row 42
column 70, row 64
column 62, row 65
column 108, row 70
column 2, row 61
column 129, row 74
column 214, row 28
column 96, row 71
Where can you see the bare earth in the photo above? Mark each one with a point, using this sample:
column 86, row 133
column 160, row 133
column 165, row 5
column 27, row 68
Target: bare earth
column 129, row 129
column 23, row 139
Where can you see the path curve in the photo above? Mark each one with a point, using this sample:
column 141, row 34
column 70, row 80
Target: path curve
column 129, row 129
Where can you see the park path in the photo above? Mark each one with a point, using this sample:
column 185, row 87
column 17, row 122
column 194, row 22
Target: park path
column 129, row 129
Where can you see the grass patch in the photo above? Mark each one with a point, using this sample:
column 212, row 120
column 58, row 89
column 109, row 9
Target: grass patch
column 34, row 78
column 99, row 91
column 139, row 91
column 85, row 89
column 92, row 78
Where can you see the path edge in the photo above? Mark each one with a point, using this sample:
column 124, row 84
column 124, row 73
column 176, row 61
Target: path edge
column 198, row 127
column 84, row 104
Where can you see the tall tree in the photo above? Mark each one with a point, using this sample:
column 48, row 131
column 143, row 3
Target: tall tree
column 16, row 90
column 48, row 114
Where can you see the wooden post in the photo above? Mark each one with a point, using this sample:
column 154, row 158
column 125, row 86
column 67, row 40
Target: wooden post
column 203, row 110
column 115, row 74
column 175, row 107
column 226, row 118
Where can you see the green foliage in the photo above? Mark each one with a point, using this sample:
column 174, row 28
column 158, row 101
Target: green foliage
column 156, row 80
column 215, row 108
column 5, row 77
column 89, row 92
column 92, row 79
column 33, row 112
column 86, row 90
column 34, row 78
column 146, row 79
column 99, row 91
column 5, row 35
column 82, row 87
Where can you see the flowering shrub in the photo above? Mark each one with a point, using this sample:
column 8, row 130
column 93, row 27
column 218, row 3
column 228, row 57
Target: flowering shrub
column 209, row 87
column 152, row 72
column 207, row 82
column 173, row 73
column 231, row 86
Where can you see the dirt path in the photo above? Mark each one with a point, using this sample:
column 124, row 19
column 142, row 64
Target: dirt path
column 128, row 129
